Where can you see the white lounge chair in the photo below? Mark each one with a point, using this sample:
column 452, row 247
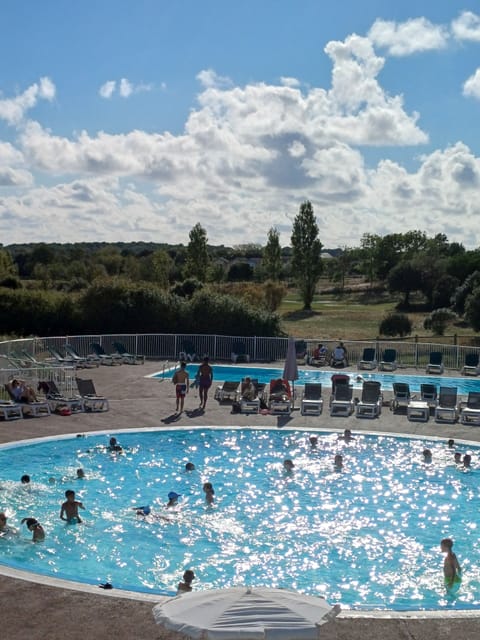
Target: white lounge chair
column 312, row 402
column 370, row 404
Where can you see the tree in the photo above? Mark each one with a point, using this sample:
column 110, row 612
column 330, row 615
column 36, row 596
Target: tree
column 272, row 255
column 472, row 309
column 197, row 261
column 405, row 277
column 306, row 250
column 395, row 324
column 438, row 321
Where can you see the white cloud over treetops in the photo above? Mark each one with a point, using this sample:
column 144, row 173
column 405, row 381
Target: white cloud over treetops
column 246, row 159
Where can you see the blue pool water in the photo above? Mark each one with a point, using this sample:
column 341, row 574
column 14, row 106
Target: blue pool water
column 367, row 536
column 265, row 374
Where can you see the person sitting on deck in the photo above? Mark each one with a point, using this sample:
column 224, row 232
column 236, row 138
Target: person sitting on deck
column 20, row 391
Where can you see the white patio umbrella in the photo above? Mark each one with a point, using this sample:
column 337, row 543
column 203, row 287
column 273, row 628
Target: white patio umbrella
column 236, row 613
column 290, row 370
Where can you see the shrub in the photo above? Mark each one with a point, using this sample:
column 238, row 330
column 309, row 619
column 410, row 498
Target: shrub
column 396, row 324
column 11, row 282
column 187, row 288
column 438, row 321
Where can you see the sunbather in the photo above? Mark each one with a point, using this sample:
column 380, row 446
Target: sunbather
column 20, row 391
column 248, row 389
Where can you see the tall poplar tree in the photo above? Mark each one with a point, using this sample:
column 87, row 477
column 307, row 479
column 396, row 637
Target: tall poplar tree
column 306, row 250
column 272, row 255
column 197, row 261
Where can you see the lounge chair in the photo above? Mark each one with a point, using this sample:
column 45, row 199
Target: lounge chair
column 128, row 358
column 280, row 397
column 251, row 405
column 228, row 391
column 446, row 409
column 10, row 410
column 341, row 400
column 188, row 352
column 301, row 351
column 470, row 412
column 81, row 362
column 429, row 394
column 435, row 364
column 59, row 359
column 388, row 361
column 57, row 400
column 36, row 409
column 312, row 402
column 369, row 359
column 33, row 362
column 103, row 357
column 370, row 404
column 401, row 396
column 471, row 366
column 239, row 353
column 92, row 401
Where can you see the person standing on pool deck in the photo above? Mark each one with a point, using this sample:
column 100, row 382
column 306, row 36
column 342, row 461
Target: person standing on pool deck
column 205, row 378
column 181, row 380
column 69, row 510
column 451, row 569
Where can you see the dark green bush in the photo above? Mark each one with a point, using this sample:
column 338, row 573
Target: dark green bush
column 26, row 312
column 396, row 324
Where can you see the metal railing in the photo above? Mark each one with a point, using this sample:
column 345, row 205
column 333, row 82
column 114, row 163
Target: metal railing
column 219, row 348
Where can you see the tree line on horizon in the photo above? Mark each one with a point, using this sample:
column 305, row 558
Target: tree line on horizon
column 111, row 286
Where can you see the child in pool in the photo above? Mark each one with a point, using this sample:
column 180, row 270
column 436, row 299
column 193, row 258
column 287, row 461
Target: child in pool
column 69, row 510
column 451, row 568
column 186, row 585
column 209, row 492
column 36, row 528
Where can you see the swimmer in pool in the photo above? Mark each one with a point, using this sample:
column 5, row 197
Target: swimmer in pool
column 36, row 528
column 142, row 511
column 186, row 585
column 347, row 436
column 189, row 466
column 451, row 443
column 427, row 455
column 25, row 479
column 288, row 465
column 338, row 462
column 457, row 457
column 5, row 530
column 313, row 441
column 80, row 474
column 451, row 568
column 467, row 459
column 114, row 446
column 173, row 499
column 209, row 492
column 69, row 510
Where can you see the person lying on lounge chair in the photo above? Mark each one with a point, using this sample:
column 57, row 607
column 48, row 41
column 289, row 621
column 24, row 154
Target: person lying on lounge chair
column 248, row 389
column 20, row 391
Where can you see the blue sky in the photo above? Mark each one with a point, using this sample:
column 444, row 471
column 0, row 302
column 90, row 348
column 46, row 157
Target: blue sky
column 136, row 120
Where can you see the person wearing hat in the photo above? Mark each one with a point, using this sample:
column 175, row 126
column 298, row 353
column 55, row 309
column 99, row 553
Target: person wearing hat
column 173, row 499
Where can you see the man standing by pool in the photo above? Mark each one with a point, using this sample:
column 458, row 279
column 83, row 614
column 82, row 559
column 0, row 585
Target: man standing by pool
column 205, row 378
column 181, row 380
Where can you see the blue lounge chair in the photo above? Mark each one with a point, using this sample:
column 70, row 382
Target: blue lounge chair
column 435, row 364
column 128, row 358
column 471, row 366
column 239, row 352
column 369, row 359
column 188, row 352
column 388, row 361
column 105, row 358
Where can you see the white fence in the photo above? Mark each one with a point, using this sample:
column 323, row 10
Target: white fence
column 219, row 348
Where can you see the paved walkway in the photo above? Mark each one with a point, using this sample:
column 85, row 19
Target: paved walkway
column 32, row 611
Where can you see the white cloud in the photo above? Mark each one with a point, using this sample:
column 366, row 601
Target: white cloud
column 405, row 38
column 13, row 110
column 107, row 89
column 467, row 26
column 208, row 78
column 289, row 82
column 125, row 88
column 471, row 86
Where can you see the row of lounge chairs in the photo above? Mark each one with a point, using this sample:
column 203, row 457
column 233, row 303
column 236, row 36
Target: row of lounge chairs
column 276, row 397
column 435, row 365
column 444, row 402
column 86, row 399
column 98, row 356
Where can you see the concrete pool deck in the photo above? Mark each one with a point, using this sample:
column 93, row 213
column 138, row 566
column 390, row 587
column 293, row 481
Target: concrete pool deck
column 34, row 611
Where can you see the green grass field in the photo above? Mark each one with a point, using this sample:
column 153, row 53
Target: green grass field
column 350, row 317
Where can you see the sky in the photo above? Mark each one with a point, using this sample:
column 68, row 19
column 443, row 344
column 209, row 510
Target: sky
column 134, row 121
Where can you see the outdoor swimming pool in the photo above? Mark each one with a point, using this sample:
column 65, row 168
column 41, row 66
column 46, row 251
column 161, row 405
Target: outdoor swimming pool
column 265, row 374
column 367, row 536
